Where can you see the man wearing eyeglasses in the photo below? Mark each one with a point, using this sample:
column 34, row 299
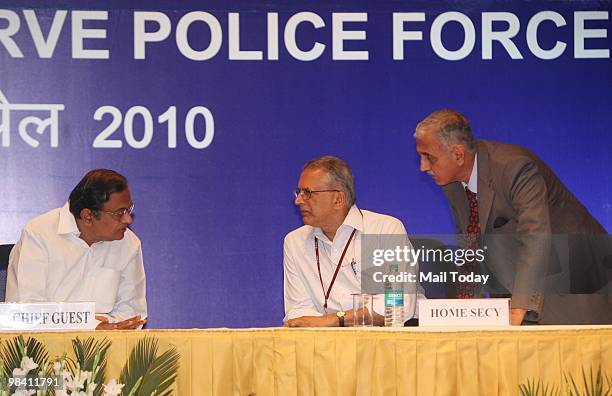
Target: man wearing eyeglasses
column 84, row 251
column 322, row 259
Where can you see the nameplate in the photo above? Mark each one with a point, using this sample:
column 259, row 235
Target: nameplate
column 48, row 316
column 465, row 312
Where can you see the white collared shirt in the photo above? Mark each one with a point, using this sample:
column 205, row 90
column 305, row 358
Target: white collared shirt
column 472, row 184
column 50, row 263
column 302, row 287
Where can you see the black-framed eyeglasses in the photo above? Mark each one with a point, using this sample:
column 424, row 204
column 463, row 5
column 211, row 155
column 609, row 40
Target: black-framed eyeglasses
column 306, row 193
column 118, row 214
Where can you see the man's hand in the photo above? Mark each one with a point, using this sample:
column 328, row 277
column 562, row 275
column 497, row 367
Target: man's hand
column 313, row 321
column 330, row 320
column 516, row 316
column 128, row 324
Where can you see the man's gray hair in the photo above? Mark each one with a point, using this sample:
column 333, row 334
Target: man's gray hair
column 450, row 126
column 338, row 172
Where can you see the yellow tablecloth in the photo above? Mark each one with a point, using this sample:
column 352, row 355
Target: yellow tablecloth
column 279, row 361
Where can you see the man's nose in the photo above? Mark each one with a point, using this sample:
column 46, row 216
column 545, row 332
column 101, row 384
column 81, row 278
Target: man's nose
column 298, row 200
column 127, row 218
column 424, row 165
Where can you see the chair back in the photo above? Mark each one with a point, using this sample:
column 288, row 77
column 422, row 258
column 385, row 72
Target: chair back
column 5, row 251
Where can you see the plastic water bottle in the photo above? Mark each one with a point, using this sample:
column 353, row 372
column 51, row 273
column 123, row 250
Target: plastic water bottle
column 394, row 300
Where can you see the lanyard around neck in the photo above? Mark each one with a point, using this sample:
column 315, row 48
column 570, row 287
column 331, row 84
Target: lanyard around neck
column 331, row 284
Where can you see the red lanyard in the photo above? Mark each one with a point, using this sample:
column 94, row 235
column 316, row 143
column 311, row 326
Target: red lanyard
column 326, row 295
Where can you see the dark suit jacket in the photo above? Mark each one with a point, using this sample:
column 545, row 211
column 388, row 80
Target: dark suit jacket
column 543, row 246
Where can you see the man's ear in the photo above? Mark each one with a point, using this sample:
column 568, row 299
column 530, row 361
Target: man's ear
column 340, row 199
column 458, row 154
column 87, row 215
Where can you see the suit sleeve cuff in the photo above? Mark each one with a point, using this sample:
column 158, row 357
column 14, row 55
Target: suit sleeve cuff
column 531, row 302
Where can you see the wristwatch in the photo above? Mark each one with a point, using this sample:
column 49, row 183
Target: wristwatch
column 340, row 315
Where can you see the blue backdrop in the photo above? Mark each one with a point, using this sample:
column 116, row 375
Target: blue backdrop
column 212, row 220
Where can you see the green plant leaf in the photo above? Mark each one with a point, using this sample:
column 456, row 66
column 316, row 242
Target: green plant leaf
column 145, row 373
column 16, row 348
column 538, row 388
column 91, row 356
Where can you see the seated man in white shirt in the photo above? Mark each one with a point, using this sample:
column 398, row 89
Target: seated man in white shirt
column 330, row 240
column 84, row 251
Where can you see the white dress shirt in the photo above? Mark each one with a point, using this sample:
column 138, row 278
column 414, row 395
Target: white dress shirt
column 50, row 263
column 472, row 184
column 302, row 287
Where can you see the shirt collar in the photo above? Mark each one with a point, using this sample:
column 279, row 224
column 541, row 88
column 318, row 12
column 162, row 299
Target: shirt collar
column 472, row 184
column 67, row 223
column 354, row 219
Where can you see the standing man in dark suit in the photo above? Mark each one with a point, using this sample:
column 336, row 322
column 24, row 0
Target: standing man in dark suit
column 543, row 246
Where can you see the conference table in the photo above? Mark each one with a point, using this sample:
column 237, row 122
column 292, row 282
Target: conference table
column 362, row 361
